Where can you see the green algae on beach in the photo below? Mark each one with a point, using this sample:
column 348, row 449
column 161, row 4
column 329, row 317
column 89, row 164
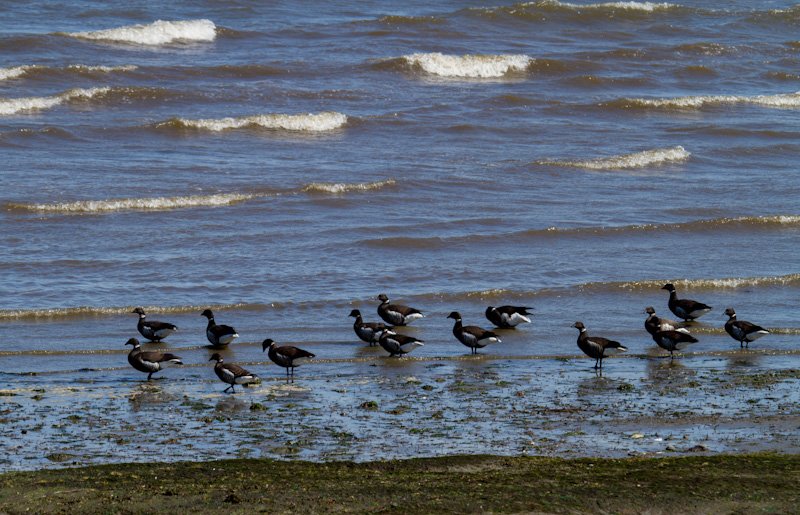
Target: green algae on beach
column 456, row 484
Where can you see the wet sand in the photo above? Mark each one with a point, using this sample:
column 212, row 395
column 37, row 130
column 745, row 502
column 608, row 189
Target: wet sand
column 381, row 408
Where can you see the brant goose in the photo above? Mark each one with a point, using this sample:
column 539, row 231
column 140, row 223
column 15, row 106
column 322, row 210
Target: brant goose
column 369, row 332
column 152, row 330
column 398, row 344
column 395, row 314
column 286, row 356
column 741, row 331
column 673, row 340
column 654, row 324
column 150, row 362
column 232, row 374
column 472, row 336
column 597, row 347
column 507, row 317
column 218, row 334
column 685, row 308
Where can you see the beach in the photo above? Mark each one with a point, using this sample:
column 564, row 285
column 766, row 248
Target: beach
column 285, row 164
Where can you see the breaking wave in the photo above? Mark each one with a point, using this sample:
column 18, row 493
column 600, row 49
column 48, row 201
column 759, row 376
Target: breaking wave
column 631, row 6
column 16, row 105
column 152, row 204
column 157, row 33
column 320, row 122
column 714, row 284
column 89, row 311
column 636, row 160
column 12, row 72
column 186, row 202
column 699, row 101
column 324, row 187
column 469, row 66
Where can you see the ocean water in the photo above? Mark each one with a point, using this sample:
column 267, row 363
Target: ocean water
column 284, row 163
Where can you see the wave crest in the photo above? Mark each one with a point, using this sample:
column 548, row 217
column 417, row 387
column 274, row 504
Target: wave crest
column 320, row 122
column 699, row 101
column 16, row 105
column 630, row 6
column 714, row 284
column 89, row 311
column 324, row 187
column 469, row 66
column 635, row 160
column 12, row 72
column 152, row 204
column 193, row 201
column 157, row 33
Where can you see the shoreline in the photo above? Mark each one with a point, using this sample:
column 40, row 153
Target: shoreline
column 452, row 484
column 397, row 409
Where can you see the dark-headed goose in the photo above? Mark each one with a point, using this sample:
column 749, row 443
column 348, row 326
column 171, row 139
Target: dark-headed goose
column 673, row 340
column 507, row 317
column 218, row 334
column 231, row 374
column 395, row 314
column 369, row 332
column 654, row 324
column 685, row 308
column 286, row 356
column 742, row 331
column 398, row 344
column 472, row 336
column 597, row 347
column 150, row 362
column 151, row 329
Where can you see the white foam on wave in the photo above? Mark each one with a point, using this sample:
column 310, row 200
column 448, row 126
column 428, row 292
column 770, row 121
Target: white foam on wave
column 12, row 72
column 771, row 219
column 632, row 6
column 154, row 203
column 721, row 283
column 157, row 33
column 83, row 311
column 185, row 202
column 780, row 100
column 107, row 69
column 469, row 66
column 636, row 160
column 319, row 122
column 16, row 105
column 324, row 187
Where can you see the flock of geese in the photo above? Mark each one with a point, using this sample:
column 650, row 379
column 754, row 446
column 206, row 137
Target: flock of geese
column 668, row 334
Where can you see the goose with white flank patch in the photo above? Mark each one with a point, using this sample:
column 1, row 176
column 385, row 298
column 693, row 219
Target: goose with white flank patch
column 232, row 374
column 396, row 314
column 151, row 329
column 685, row 308
column 742, row 331
column 472, row 336
column 369, row 332
column 653, row 324
column 150, row 362
column 597, row 347
column 398, row 344
column 218, row 334
column 286, row 356
column 508, row 317
column 673, row 340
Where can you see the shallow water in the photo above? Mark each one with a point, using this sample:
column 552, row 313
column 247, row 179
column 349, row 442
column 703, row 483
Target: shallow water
column 376, row 408
column 284, row 164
